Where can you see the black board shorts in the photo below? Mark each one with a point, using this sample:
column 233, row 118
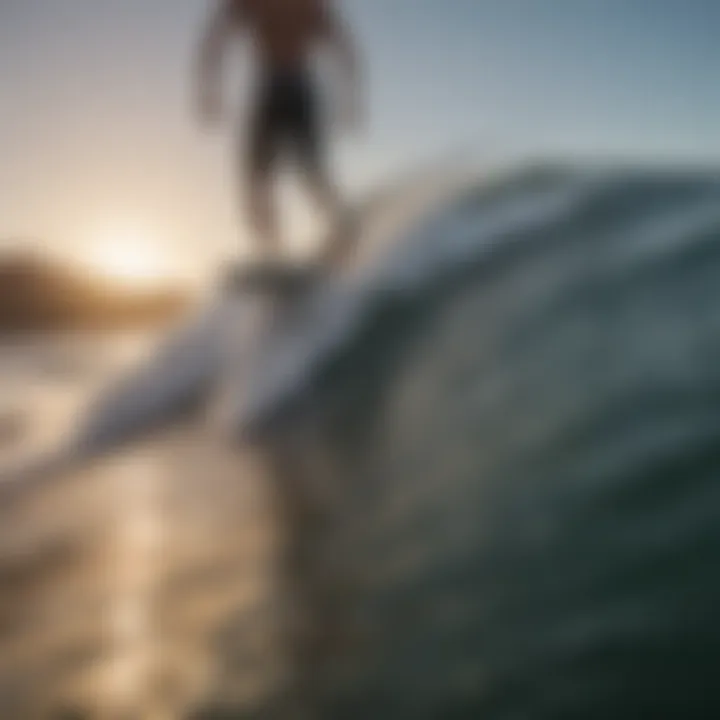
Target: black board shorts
column 285, row 119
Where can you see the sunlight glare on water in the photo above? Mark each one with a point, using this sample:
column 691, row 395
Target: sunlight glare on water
column 134, row 565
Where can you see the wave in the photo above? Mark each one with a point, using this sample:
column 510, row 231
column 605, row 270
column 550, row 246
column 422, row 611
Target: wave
column 611, row 217
column 475, row 229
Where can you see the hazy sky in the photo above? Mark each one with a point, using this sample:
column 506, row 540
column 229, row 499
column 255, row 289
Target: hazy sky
column 96, row 130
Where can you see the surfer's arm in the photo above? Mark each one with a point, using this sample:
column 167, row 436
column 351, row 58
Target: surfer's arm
column 211, row 53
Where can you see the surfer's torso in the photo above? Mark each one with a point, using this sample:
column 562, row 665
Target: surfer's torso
column 284, row 32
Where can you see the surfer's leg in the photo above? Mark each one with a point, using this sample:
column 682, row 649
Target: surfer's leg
column 327, row 197
column 262, row 216
column 308, row 136
column 341, row 238
column 264, row 137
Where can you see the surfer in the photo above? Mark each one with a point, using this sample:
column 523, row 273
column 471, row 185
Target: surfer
column 284, row 35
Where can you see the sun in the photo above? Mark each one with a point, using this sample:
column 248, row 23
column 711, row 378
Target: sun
column 127, row 256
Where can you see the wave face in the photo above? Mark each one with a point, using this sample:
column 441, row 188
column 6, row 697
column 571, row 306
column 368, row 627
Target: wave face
column 598, row 217
column 525, row 422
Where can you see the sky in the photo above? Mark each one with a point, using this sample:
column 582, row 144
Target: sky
column 98, row 142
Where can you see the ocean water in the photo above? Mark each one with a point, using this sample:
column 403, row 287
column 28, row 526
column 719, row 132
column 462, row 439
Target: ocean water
column 477, row 478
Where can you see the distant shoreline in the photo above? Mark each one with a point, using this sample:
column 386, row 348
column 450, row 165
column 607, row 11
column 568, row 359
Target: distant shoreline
column 38, row 295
